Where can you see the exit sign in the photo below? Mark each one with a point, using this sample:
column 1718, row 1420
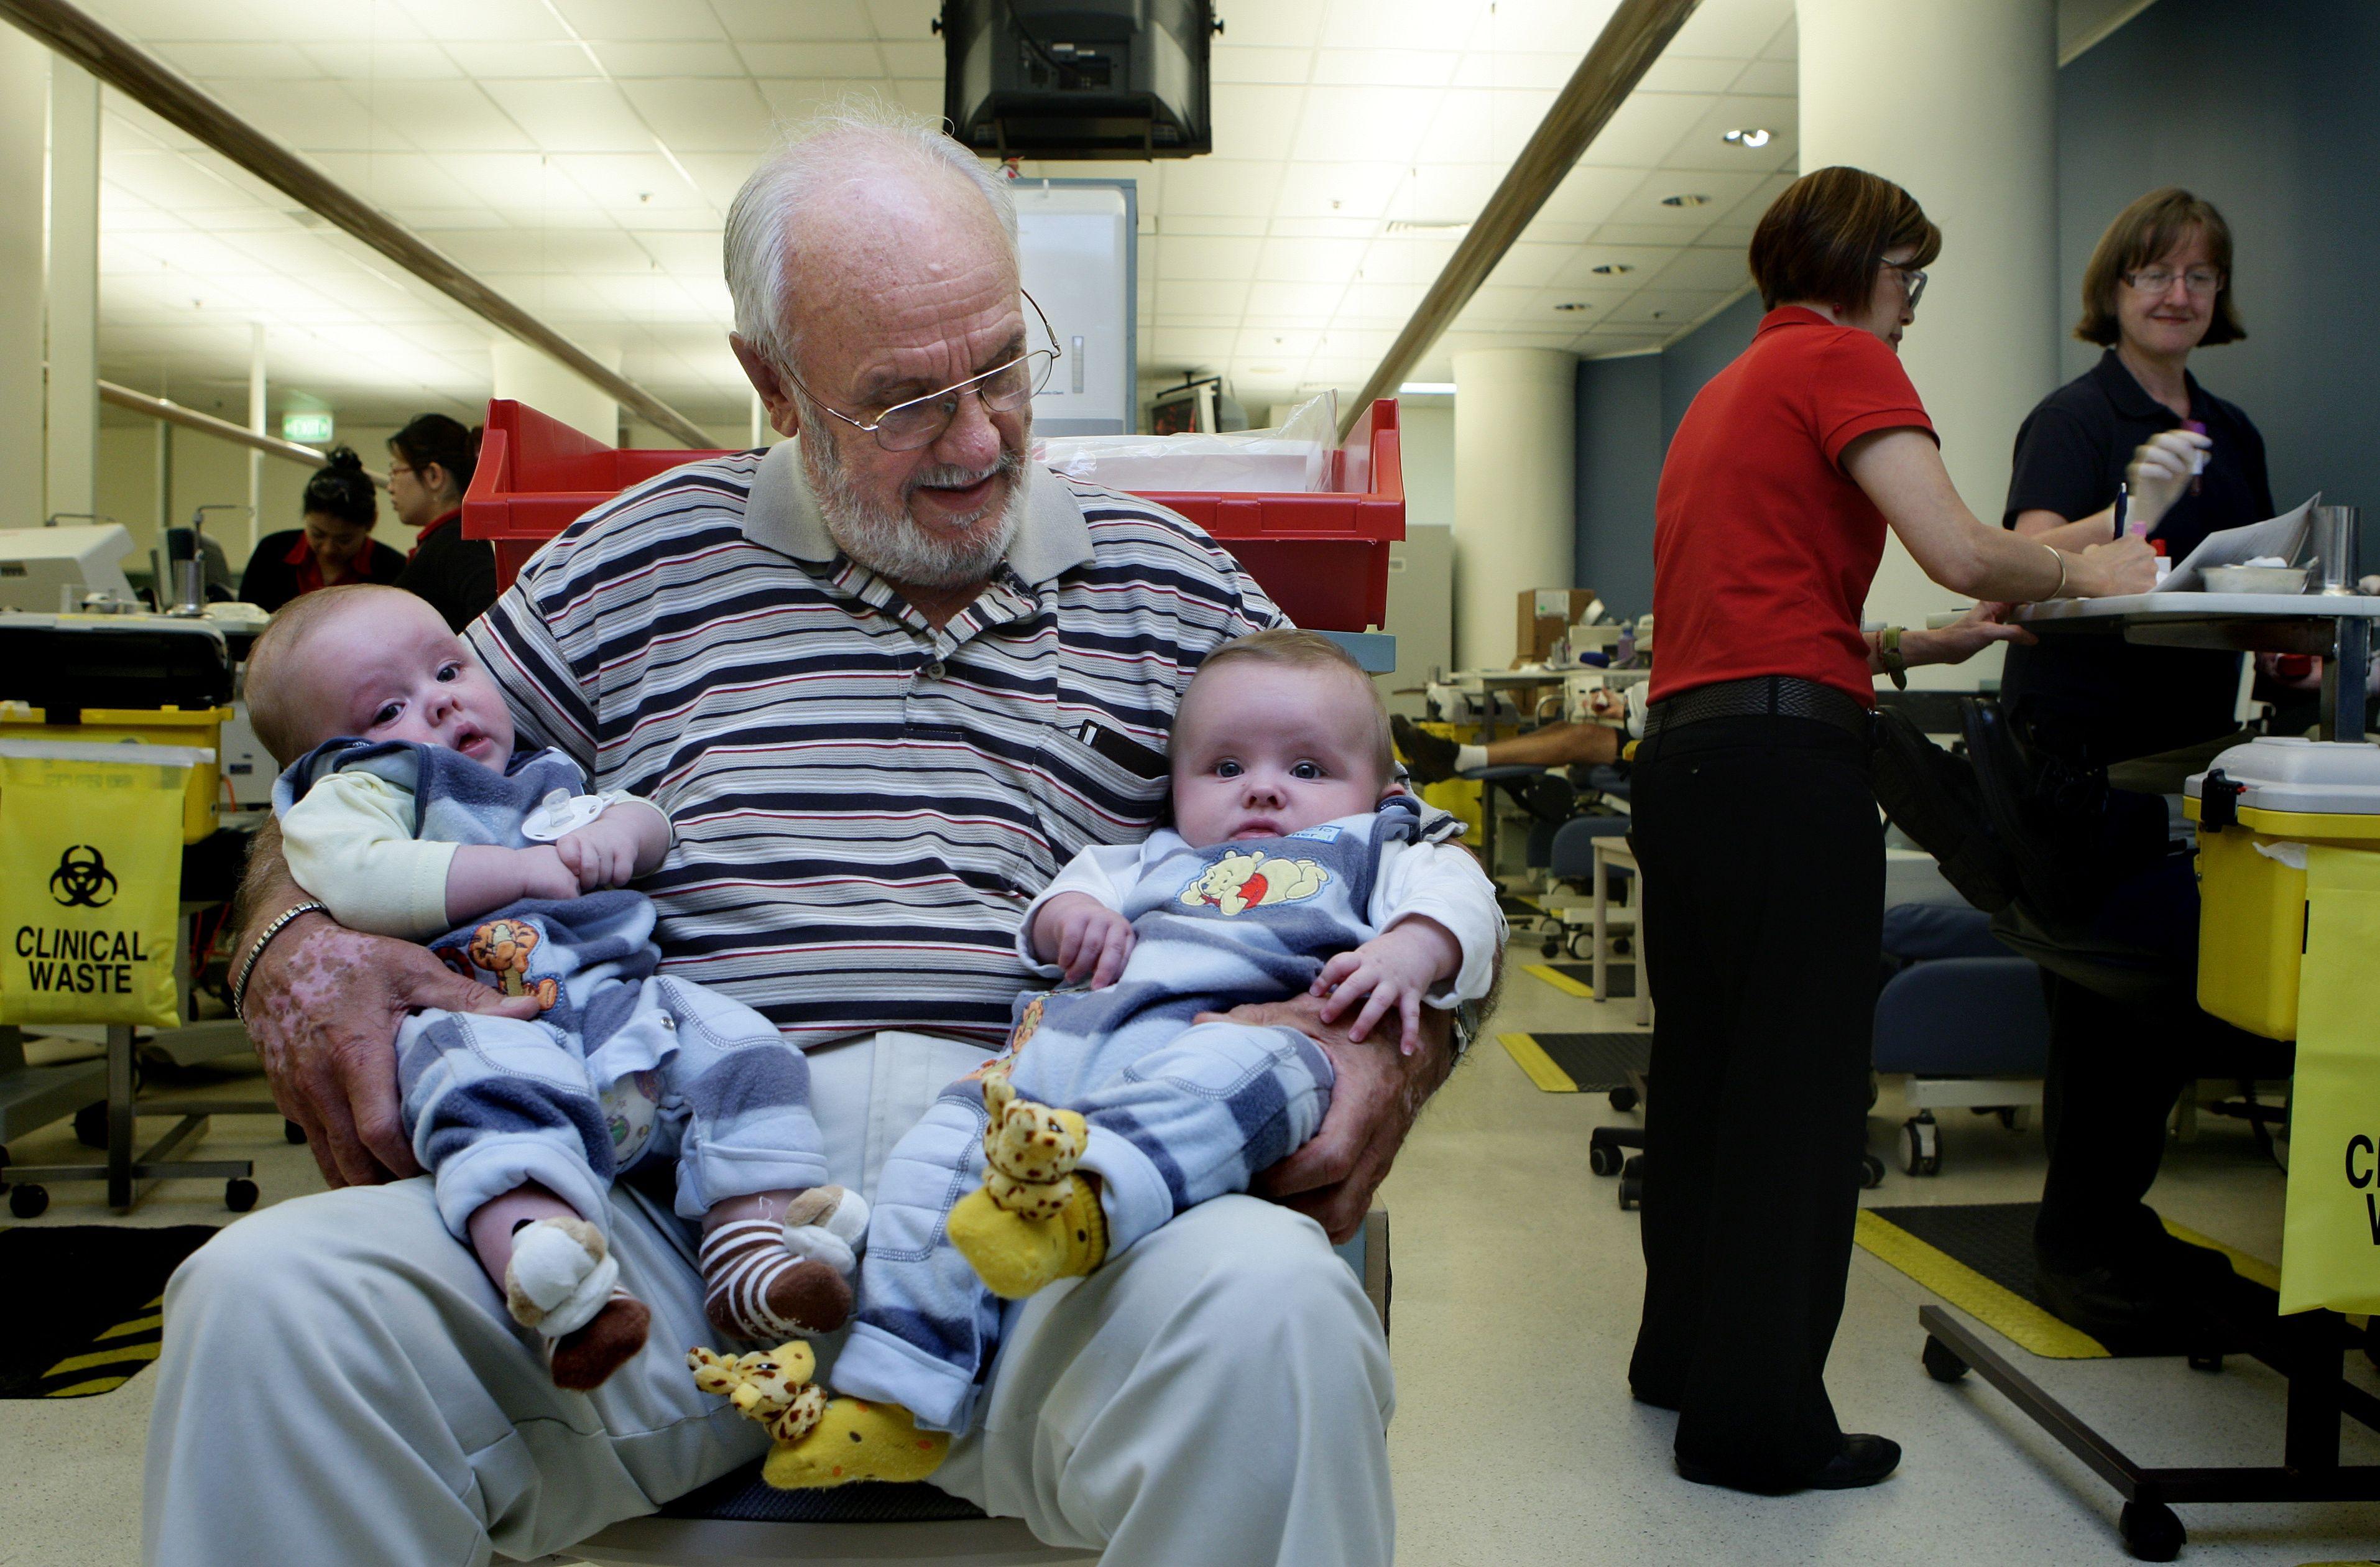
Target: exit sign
column 305, row 427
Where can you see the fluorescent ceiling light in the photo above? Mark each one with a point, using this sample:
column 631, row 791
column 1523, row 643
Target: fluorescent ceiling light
column 1426, row 389
column 1445, row 229
column 1756, row 136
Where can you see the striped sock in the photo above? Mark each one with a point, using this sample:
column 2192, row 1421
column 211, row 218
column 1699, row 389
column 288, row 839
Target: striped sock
column 754, row 1289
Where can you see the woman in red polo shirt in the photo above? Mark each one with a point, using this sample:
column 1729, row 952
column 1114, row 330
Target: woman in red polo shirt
column 1758, row 834
column 335, row 545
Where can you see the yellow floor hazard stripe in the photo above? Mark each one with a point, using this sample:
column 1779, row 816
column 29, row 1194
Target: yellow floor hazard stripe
column 2255, row 1269
column 105, row 1358
column 1532, row 1059
column 1561, row 981
column 85, row 1390
column 154, row 1320
column 1996, row 1306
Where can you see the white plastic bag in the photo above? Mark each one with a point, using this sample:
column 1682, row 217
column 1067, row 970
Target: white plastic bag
column 1294, row 455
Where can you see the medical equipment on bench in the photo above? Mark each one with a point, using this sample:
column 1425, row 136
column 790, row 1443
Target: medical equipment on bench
column 43, row 569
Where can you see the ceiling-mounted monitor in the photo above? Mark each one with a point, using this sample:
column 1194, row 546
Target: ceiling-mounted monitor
column 1078, row 79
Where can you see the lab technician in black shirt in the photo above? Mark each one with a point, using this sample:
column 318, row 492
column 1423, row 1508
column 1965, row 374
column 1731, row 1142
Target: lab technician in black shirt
column 334, row 546
column 2157, row 286
column 430, row 466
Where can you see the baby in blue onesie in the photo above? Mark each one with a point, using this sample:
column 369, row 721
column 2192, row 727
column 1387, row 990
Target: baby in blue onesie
column 1296, row 864
column 404, row 810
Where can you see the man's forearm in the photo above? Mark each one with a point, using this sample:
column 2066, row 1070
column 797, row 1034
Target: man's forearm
column 265, row 889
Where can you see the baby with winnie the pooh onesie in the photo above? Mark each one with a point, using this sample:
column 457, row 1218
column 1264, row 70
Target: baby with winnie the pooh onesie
column 1297, row 864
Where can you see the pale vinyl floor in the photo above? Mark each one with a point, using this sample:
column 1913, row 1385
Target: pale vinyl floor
column 1515, row 1443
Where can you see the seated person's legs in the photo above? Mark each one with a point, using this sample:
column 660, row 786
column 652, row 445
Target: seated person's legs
column 1218, row 1396
column 341, row 1383
column 1432, row 758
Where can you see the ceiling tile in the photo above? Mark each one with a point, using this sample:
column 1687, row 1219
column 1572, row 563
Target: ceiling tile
column 1293, row 304
column 1256, row 121
column 1341, row 190
column 494, row 22
column 640, row 20
column 1295, row 24
column 1234, row 64
column 922, row 59
column 628, row 60
column 541, row 60
column 704, row 116
column 1674, row 72
column 572, row 116
column 307, row 117
column 1732, row 28
column 1528, row 266
column 1217, row 186
column 1705, row 145
column 1706, row 268
column 792, row 21
column 445, row 116
column 1384, row 68
column 1207, row 298
column 1357, row 124
column 1196, row 257
column 1777, row 79
column 1309, row 261
column 206, row 62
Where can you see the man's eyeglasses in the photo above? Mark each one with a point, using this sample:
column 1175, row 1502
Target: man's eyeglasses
column 2201, row 281
column 1910, row 279
column 907, row 427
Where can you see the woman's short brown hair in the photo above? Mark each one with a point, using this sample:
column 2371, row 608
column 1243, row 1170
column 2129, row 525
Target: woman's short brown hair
column 1824, row 236
column 2150, row 228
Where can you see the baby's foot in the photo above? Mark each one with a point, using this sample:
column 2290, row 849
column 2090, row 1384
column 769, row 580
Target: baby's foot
column 1016, row 1254
column 855, row 1440
column 768, row 1280
column 563, row 1283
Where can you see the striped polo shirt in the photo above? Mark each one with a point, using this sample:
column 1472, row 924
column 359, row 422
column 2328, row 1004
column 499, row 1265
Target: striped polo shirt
column 864, row 802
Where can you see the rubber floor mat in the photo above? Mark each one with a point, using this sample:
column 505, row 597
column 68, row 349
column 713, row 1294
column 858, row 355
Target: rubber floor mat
column 83, row 1310
column 1978, row 1256
column 1580, row 1063
column 1578, row 980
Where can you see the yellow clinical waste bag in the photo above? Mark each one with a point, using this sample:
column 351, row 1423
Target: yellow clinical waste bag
column 2330, row 1245
column 90, row 881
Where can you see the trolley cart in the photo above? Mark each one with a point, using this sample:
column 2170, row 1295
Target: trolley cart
column 2309, row 1348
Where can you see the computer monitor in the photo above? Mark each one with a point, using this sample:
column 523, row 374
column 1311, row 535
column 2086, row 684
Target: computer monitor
column 37, row 563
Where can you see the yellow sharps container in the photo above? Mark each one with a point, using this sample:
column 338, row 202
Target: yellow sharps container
column 2257, row 807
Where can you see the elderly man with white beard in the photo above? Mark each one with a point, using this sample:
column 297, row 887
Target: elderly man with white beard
column 885, row 679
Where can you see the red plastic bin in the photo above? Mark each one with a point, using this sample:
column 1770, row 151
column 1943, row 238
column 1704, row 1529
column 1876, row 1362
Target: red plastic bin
column 1323, row 555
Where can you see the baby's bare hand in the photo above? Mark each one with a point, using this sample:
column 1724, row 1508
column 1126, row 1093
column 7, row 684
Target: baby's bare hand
column 1393, row 972
column 602, row 853
column 1083, row 936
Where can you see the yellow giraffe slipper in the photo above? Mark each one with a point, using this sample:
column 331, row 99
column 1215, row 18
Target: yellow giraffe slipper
column 855, row 1440
column 1018, row 1254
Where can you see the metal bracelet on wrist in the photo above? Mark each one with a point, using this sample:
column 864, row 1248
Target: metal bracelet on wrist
column 281, row 922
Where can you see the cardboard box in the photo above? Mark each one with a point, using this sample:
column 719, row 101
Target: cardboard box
column 1546, row 613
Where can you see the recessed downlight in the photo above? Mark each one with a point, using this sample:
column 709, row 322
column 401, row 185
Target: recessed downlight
column 1573, row 305
column 1685, row 199
column 1750, row 136
column 1610, row 268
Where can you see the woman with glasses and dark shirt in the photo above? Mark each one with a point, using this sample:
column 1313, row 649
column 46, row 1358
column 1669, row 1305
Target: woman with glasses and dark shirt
column 2157, row 286
column 431, row 462
column 1757, row 827
column 334, row 546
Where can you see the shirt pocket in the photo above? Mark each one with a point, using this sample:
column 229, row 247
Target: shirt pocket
column 1096, row 782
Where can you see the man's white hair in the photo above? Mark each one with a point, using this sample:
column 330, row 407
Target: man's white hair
column 834, row 146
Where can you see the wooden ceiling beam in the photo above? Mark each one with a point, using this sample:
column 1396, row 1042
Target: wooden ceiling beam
column 147, row 81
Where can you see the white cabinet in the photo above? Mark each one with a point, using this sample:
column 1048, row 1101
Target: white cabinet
column 1081, row 253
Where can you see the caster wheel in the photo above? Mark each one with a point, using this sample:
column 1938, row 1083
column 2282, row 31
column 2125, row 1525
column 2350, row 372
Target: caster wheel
column 2151, row 1531
column 1623, row 1099
column 1921, row 1146
column 1603, row 1161
column 292, row 1132
column 1940, row 1363
column 1631, row 1194
column 1582, row 947
column 1621, row 946
column 2206, row 1361
column 28, row 1202
column 239, row 1196
column 91, row 1125
column 1549, row 948
column 1871, row 1171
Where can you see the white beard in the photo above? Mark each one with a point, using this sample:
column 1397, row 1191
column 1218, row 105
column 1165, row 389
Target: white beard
column 892, row 544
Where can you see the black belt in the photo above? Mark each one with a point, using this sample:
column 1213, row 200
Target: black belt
column 1763, row 696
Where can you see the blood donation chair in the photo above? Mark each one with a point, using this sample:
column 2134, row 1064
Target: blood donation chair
column 739, row 1521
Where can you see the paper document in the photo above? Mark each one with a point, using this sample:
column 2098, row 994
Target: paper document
column 2283, row 535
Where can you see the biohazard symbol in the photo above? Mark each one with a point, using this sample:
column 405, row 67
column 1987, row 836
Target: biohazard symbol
column 82, row 884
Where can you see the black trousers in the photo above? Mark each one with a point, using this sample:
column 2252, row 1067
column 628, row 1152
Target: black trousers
column 1764, row 908
column 2115, row 1071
